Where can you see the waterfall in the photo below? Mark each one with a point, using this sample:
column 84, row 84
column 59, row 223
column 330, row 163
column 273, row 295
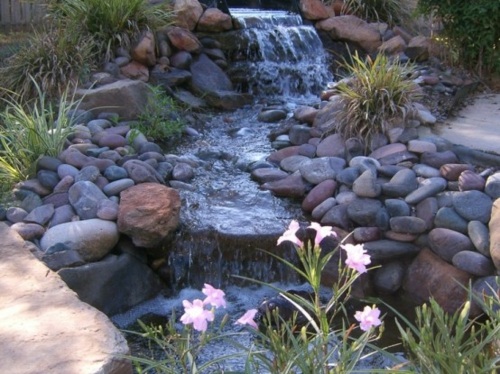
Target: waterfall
column 277, row 55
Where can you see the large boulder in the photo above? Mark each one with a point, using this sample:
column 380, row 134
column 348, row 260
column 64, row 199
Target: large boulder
column 430, row 276
column 208, row 77
column 187, row 13
column 92, row 238
column 148, row 213
column 352, row 29
column 214, row 20
column 128, row 98
column 113, row 285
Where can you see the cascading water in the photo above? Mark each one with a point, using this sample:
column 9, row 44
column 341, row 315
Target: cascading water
column 276, row 55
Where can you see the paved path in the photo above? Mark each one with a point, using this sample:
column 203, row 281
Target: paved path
column 476, row 126
column 44, row 327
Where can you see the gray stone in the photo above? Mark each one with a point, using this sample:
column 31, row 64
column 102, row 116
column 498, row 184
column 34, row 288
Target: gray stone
column 473, row 205
column 28, row 231
column 407, row 225
column 473, row 263
column 48, row 178
column 331, row 146
column 16, row 214
column 337, row 216
column 389, row 278
column 318, row 194
column 62, row 214
column 141, row 172
column 183, row 172
column 366, row 185
column 62, row 259
column 64, row 184
column 426, row 171
column 348, row 175
column 438, row 159
column 448, row 218
column 48, row 163
column 428, row 188
column 113, row 285
column 480, row 236
column 40, row 215
column 294, row 163
column 389, row 249
column 91, row 238
column 65, row 170
column 396, row 207
column 84, row 197
column 401, row 184
column 322, row 168
column 272, row 115
column 31, row 201
column 88, row 173
column 299, row 134
column 321, row 209
column 264, row 175
column 447, row 243
column 365, row 211
column 114, row 188
column 115, row 172
column 107, row 210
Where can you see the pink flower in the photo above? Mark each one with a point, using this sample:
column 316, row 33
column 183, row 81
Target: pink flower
column 321, row 232
column 289, row 235
column 215, row 297
column 196, row 314
column 356, row 257
column 248, row 318
column 368, row 318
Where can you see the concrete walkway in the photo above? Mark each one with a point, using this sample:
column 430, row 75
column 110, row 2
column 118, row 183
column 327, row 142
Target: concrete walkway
column 476, row 126
column 44, row 327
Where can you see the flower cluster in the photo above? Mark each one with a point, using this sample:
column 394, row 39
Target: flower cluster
column 196, row 313
column 357, row 259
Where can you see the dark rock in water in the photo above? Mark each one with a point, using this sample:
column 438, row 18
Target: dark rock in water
column 114, row 284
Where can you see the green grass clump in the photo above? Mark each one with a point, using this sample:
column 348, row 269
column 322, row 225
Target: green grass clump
column 53, row 59
column 28, row 132
column 377, row 97
column 160, row 119
column 110, row 23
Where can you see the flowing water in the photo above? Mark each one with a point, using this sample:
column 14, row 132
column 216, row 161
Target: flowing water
column 225, row 218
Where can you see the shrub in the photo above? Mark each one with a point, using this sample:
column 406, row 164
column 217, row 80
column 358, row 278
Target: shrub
column 160, row 119
column 377, row 96
column 110, row 23
column 470, row 28
column 53, row 59
column 393, row 12
column 28, row 134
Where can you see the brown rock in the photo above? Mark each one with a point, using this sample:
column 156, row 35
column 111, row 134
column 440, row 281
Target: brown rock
column 135, row 70
column 184, row 40
column 278, row 156
column 469, row 180
column 314, row 10
column 429, row 276
column 418, row 48
column 291, row 186
column 148, row 213
column 214, row 20
column 393, row 46
column 353, row 29
column 318, row 194
column 305, row 114
column 494, row 226
column 447, row 243
column 187, row 13
column 144, row 50
column 451, row 172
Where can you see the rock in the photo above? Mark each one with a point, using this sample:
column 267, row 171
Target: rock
column 353, row 29
column 65, row 170
column 447, row 243
column 426, row 171
column 92, row 238
column 389, row 278
column 294, row 163
column 264, row 175
column 182, row 172
column 388, row 150
column 389, row 249
column 116, row 187
column 40, row 215
column 451, row 172
column 114, row 173
column 113, row 285
column 418, row 48
column 427, row 210
column 366, row 234
column 148, row 213
column 291, row 186
column 320, row 210
column 141, row 172
column 401, row 184
column 428, row 188
column 473, row 263
column 430, row 276
column 305, row 114
column 33, row 185
column 337, row 216
column 128, row 98
column 48, row 178
column 473, row 205
column 492, row 187
column 187, row 13
column 468, row 180
column 421, row 146
column 144, row 50
column 348, row 175
column 397, row 208
column 438, row 159
column 62, row 214
column 331, row 146
column 64, row 184
column 135, row 71
column 314, row 10
column 325, row 117
column 407, row 225
column 320, row 169
column 494, row 228
column 448, row 218
column 30, row 202
column 111, row 140
column 214, row 20
column 365, row 212
column 88, row 173
column 28, row 231
column 299, row 134
column 62, row 259
column 107, row 210
column 278, row 156
column 48, row 163
column 318, row 194
column 480, row 236
column 84, row 197
column 55, row 316
column 366, row 185
column 393, row 46
column 486, row 287
column 15, row 214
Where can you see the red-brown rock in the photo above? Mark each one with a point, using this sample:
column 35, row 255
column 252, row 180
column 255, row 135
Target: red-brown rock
column 214, row 20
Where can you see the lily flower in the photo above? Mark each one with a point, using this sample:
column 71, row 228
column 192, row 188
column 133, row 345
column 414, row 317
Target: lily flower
column 289, row 235
column 321, row 232
column 196, row 314
column 215, row 297
column 356, row 257
column 248, row 318
column 368, row 318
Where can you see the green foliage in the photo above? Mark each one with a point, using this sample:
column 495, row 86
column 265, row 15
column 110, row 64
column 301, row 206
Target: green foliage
column 53, row 59
column 377, row 96
column 471, row 28
column 393, row 12
column 29, row 132
column 109, row 23
column 160, row 119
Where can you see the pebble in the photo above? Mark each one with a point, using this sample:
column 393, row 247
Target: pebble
column 40, row 215
column 429, row 188
column 320, row 210
column 448, row 218
column 447, row 243
column 479, row 234
column 473, row 263
column 114, row 188
column 473, row 205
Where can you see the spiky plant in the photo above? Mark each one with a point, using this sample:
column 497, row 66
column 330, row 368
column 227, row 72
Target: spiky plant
column 393, row 12
column 377, row 97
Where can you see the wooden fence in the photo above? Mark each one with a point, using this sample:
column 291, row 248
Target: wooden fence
column 19, row 13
